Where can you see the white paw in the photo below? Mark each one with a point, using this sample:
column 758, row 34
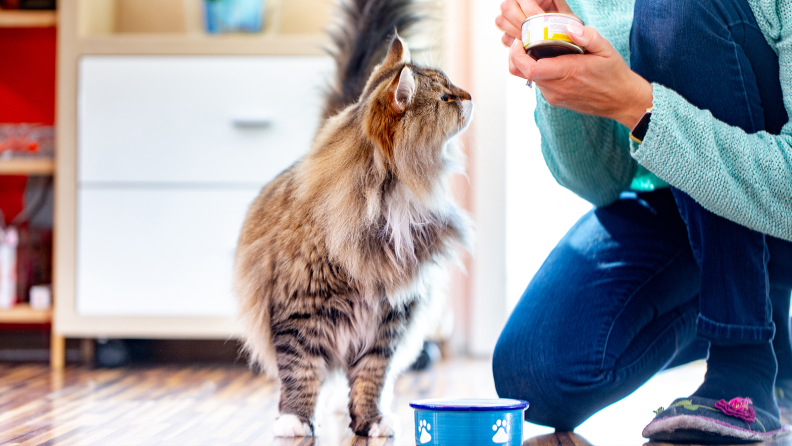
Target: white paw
column 386, row 427
column 424, row 427
column 501, row 429
column 290, row 426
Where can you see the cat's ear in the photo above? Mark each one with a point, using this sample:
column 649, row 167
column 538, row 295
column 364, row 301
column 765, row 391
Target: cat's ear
column 398, row 53
column 405, row 89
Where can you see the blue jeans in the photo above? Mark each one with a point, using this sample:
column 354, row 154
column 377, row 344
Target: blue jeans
column 618, row 299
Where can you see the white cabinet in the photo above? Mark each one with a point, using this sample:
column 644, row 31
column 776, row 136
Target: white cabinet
column 171, row 150
column 158, row 252
column 202, row 119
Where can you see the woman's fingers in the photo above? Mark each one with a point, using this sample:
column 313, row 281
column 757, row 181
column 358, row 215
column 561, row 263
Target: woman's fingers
column 530, row 7
column 508, row 28
column 556, row 68
column 590, row 39
column 561, row 6
column 523, row 64
column 507, row 40
column 513, row 13
column 513, row 69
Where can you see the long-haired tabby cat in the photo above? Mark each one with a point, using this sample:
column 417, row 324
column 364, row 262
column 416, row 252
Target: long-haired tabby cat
column 340, row 256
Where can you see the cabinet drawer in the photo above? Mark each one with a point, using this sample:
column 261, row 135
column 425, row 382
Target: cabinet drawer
column 182, row 119
column 158, row 251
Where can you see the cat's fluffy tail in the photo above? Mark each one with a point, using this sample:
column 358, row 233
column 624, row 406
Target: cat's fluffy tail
column 361, row 40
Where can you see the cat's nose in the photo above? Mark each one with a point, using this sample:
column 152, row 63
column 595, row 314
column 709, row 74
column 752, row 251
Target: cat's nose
column 467, row 109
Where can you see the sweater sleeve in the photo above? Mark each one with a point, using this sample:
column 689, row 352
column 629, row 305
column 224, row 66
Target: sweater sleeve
column 586, row 154
column 746, row 178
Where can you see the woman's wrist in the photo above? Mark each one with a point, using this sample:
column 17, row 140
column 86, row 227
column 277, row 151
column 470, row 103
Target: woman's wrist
column 637, row 100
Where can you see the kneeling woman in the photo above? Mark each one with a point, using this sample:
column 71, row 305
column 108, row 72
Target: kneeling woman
column 655, row 276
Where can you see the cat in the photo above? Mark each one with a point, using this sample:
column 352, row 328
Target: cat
column 342, row 258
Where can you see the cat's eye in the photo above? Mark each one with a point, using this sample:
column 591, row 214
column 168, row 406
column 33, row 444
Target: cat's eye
column 447, row 97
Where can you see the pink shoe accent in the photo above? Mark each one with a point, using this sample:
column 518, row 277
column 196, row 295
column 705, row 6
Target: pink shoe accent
column 738, row 408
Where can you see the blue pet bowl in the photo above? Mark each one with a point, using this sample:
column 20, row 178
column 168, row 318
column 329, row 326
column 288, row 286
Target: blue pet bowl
column 469, row 422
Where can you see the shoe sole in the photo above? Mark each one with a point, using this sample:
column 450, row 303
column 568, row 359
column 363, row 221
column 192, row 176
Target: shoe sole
column 698, row 429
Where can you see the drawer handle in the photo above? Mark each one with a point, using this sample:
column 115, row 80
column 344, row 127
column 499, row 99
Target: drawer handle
column 252, row 120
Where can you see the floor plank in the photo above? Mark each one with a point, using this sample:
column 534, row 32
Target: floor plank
column 226, row 405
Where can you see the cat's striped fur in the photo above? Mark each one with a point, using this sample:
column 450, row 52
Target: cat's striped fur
column 343, row 256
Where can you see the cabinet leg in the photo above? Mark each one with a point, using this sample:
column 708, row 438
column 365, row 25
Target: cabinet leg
column 57, row 352
column 87, row 352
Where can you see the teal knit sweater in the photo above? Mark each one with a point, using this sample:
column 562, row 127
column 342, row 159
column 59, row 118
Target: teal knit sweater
column 746, row 178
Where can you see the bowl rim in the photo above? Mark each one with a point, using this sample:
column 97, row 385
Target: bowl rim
column 469, row 405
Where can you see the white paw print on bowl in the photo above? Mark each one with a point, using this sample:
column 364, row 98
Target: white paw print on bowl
column 501, row 427
column 424, row 428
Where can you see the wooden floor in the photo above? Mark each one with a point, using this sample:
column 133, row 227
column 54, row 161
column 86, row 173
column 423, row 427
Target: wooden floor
column 217, row 405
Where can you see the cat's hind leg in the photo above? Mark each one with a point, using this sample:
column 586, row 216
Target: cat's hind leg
column 302, row 371
column 366, row 382
column 368, row 373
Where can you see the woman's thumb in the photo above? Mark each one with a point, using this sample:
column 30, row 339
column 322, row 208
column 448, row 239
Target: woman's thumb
column 588, row 38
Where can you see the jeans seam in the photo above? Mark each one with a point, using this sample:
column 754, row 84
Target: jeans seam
column 743, row 22
column 714, row 329
column 715, row 323
column 768, row 305
column 745, row 89
column 624, row 306
column 629, row 368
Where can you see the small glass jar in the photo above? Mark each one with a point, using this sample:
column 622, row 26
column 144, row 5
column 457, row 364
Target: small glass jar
column 227, row 16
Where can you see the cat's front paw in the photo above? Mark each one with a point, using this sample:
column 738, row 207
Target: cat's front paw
column 385, row 427
column 289, row 425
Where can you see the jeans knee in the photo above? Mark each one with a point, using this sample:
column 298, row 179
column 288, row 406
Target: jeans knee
column 665, row 33
column 656, row 30
column 507, row 370
column 553, row 395
column 551, row 403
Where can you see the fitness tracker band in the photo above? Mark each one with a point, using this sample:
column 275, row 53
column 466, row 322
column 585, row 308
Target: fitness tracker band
column 639, row 132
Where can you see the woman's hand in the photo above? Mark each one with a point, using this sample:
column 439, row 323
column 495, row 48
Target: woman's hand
column 596, row 83
column 514, row 12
